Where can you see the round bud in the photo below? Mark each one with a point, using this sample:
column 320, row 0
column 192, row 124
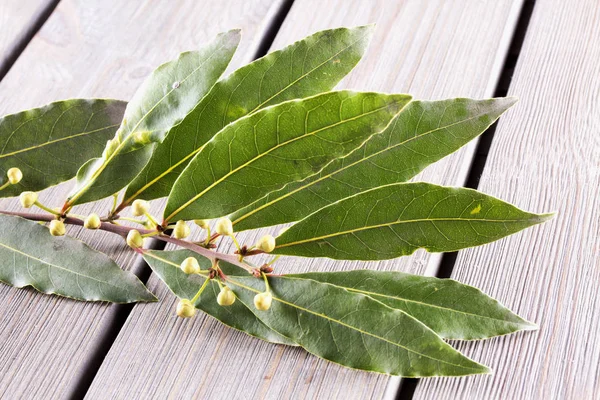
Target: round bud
column 14, row 175
column 110, row 148
column 134, row 239
column 226, row 297
column 266, row 244
column 190, row 266
column 262, row 301
column 185, row 309
column 182, row 230
column 224, row 227
column 92, row 221
column 57, row 228
column 140, row 207
column 202, row 223
column 28, row 199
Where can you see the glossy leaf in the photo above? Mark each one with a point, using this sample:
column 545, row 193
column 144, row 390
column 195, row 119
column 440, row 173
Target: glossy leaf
column 162, row 101
column 166, row 265
column 308, row 67
column 30, row 256
column 451, row 309
column 50, row 143
column 275, row 146
column 352, row 329
column 421, row 134
column 396, row 220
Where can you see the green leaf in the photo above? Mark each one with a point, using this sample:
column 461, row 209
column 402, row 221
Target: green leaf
column 308, row 67
column 162, row 101
column 396, row 220
column 352, row 329
column 50, row 143
column 30, row 256
column 451, row 309
column 421, row 134
column 275, row 146
column 166, row 265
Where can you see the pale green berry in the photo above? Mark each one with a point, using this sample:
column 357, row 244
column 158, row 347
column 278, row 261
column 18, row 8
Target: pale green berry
column 182, row 230
column 92, row 221
column 140, row 207
column 135, row 239
column 226, row 297
column 202, row 223
column 57, row 228
column 185, row 309
column 262, row 301
column 14, row 175
column 28, row 199
column 224, row 227
column 266, row 244
column 190, row 266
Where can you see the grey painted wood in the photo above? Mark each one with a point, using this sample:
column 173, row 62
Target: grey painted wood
column 100, row 48
column 433, row 49
column 545, row 156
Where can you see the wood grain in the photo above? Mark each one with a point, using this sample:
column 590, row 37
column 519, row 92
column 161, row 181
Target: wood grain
column 101, row 48
column 545, row 156
column 433, row 49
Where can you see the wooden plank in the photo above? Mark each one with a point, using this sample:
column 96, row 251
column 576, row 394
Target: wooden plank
column 432, row 49
column 101, row 48
column 545, row 156
column 18, row 20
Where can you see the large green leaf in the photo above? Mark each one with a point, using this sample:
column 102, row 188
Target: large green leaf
column 352, row 329
column 396, row 220
column 162, row 101
column 30, row 256
column 308, row 67
column 275, row 146
column 50, row 143
column 166, row 265
column 421, row 134
column 453, row 310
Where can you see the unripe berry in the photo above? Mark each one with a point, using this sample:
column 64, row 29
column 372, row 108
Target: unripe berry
column 262, row 301
column 225, row 297
column 182, row 230
column 185, row 309
column 190, row 266
column 28, row 199
column 14, row 175
column 224, row 227
column 134, row 239
column 140, row 207
column 266, row 244
column 202, row 223
column 57, row 228
column 92, row 221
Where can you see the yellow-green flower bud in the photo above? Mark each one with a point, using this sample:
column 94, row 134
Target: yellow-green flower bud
column 134, row 239
column 28, row 199
column 225, row 297
column 262, row 301
column 202, row 223
column 182, row 230
column 224, row 227
column 92, row 221
column 14, row 175
column 266, row 244
column 185, row 309
column 140, row 207
column 190, row 266
column 57, row 228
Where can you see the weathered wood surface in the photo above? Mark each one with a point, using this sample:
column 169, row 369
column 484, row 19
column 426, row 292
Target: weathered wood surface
column 432, row 49
column 17, row 18
column 545, row 156
column 101, row 48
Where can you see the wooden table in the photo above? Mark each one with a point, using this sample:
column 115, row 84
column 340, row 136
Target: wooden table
column 545, row 156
